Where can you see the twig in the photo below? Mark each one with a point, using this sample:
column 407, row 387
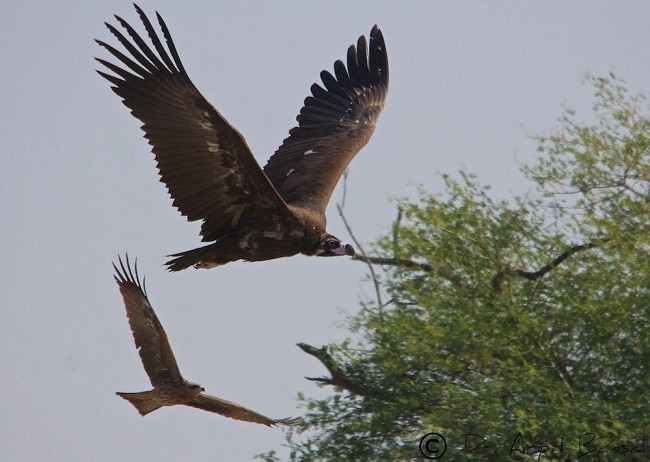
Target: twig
column 357, row 244
column 396, row 228
column 562, row 372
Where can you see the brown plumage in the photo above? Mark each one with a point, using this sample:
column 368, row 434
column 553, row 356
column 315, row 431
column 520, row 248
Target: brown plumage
column 170, row 388
column 250, row 213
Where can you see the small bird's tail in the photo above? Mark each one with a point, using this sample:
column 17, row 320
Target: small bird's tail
column 142, row 401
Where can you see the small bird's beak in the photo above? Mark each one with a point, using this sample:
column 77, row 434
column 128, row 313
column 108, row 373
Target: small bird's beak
column 349, row 250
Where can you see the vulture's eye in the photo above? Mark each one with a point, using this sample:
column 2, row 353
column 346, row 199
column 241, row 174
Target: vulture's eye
column 332, row 244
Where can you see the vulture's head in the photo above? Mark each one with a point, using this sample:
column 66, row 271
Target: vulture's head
column 330, row 246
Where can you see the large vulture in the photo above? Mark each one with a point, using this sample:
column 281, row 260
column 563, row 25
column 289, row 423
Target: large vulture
column 170, row 388
column 210, row 172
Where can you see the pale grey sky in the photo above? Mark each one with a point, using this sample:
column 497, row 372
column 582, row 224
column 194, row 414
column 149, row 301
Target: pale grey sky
column 469, row 82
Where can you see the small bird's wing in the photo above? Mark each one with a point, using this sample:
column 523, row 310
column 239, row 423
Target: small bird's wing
column 235, row 411
column 333, row 125
column 205, row 163
column 149, row 336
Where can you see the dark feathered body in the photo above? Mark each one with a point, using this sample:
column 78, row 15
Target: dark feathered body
column 258, row 238
column 248, row 212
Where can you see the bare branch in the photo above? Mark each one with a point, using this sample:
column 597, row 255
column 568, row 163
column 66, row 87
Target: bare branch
column 338, row 377
column 531, row 276
column 534, row 275
column 401, row 262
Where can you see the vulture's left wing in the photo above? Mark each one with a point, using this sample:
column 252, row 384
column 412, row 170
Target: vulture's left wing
column 333, row 125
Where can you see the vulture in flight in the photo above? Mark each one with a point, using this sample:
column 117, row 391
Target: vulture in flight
column 170, row 388
column 248, row 213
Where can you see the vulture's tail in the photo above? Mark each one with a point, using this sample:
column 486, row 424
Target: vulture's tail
column 142, row 401
column 201, row 257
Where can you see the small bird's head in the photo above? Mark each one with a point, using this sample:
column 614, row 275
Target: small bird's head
column 330, row 246
column 194, row 389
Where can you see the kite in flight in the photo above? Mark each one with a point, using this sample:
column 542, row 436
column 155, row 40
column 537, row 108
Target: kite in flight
column 170, row 388
column 249, row 213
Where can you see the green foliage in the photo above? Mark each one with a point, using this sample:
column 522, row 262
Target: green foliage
column 533, row 318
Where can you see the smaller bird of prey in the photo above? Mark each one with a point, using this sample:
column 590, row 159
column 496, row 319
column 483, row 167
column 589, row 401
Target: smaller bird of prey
column 170, row 388
column 248, row 212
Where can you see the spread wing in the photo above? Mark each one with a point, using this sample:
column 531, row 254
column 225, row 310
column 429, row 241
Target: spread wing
column 150, row 337
column 235, row 411
column 205, row 163
column 333, row 125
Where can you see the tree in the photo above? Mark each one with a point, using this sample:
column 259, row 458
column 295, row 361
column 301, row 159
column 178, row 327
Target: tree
column 516, row 330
